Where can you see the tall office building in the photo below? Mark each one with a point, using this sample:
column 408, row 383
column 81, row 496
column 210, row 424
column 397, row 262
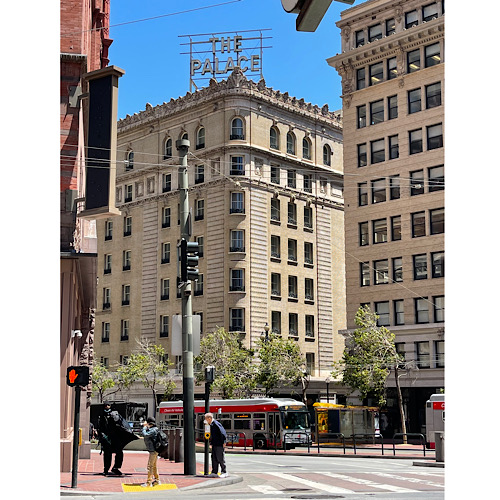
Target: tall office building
column 392, row 69
column 265, row 177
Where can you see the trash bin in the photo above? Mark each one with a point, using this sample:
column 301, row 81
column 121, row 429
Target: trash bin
column 439, row 440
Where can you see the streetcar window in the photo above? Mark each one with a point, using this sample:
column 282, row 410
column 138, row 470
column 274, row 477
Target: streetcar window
column 226, row 423
column 259, row 424
column 241, row 421
column 293, row 420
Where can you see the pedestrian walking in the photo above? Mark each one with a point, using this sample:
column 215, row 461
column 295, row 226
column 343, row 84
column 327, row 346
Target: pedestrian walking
column 217, row 439
column 114, row 434
column 150, row 433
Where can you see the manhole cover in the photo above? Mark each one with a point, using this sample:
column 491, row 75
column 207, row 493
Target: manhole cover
column 317, row 496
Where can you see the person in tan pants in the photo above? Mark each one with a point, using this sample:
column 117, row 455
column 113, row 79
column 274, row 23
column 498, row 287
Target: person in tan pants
column 150, row 431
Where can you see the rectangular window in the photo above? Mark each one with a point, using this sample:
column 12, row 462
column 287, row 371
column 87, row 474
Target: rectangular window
column 421, row 310
column 108, row 230
column 276, row 322
column 198, row 286
column 237, row 243
column 309, row 326
column 308, row 217
column 127, row 260
column 379, row 230
column 381, row 272
column 125, row 295
column 416, row 144
column 377, row 151
column 164, row 289
column 124, row 330
column 275, row 174
column 411, row 19
column 237, row 165
column 360, row 79
column 127, row 226
column 292, row 250
column 310, row 363
column 417, row 224
column 379, row 191
column 390, row 27
column 392, row 106
column 394, row 187
column 291, row 178
column 362, row 194
column 237, row 203
column 308, row 183
column 360, row 38
column 165, row 253
column 392, row 68
column 237, row 320
column 275, row 209
column 413, row 61
column 429, row 12
column 432, row 55
column 376, row 73
column 437, row 221
column 107, row 263
column 364, row 273
column 420, row 267
column 382, row 310
column 439, row 349
column 414, row 101
column 237, row 280
column 364, row 237
column 200, row 210
column 416, row 182
column 309, row 289
column 362, row 156
column 433, row 95
column 165, row 217
column 292, row 214
column 435, row 136
column 293, row 325
column 361, row 112
column 164, row 324
column 106, row 298
column 437, row 260
column 166, row 183
column 128, row 192
column 438, row 308
column 275, row 247
column 200, row 240
column 396, row 228
column 375, row 32
column 292, row 287
column 397, row 269
column 376, row 112
column 199, row 174
column 106, row 327
column 276, row 284
column 399, row 312
column 393, row 147
column 423, row 354
column 308, row 254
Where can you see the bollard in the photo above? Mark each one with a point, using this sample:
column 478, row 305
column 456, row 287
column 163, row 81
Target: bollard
column 171, row 444
column 439, row 439
column 181, row 446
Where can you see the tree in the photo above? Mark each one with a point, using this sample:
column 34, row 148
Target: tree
column 234, row 372
column 368, row 356
column 103, row 380
column 281, row 364
column 149, row 366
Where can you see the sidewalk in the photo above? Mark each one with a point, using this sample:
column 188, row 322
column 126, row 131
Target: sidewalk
column 90, row 478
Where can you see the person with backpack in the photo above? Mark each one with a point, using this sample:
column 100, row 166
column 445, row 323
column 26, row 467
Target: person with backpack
column 114, row 434
column 217, row 438
column 151, row 434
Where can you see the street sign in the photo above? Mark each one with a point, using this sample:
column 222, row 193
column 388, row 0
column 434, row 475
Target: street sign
column 177, row 334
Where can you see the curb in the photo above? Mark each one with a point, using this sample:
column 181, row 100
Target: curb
column 429, row 464
column 325, row 455
column 209, row 483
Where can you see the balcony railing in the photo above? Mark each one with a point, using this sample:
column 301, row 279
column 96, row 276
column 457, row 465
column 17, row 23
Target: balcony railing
column 236, row 210
column 237, row 249
column 234, row 137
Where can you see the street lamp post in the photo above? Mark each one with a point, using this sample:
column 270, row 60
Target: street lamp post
column 327, row 381
column 266, row 332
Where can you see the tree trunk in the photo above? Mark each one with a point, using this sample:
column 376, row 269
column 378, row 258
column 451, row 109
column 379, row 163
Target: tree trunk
column 400, row 404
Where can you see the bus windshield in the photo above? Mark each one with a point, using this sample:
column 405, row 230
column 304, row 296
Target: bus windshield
column 294, row 420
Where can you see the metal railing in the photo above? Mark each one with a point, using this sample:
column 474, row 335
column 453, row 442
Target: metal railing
column 236, row 436
column 415, row 434
column 272, row 439
column 297, row 435
column 334, row 435
column 373, row 436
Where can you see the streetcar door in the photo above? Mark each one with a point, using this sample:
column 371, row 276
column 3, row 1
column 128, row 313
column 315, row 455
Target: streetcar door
column 274, row 426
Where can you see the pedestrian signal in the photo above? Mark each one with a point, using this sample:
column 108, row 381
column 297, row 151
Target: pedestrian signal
column 77, row 375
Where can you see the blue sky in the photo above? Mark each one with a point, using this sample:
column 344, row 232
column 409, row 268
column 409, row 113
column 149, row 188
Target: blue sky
column 156, row 71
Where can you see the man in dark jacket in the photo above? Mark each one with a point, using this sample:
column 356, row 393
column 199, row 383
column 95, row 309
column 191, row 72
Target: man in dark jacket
column 217, row 438
column 114, row 434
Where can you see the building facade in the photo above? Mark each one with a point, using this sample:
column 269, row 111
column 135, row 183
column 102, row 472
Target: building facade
column 266, row 200
column 392, row 69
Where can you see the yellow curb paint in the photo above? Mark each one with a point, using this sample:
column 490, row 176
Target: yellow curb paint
column 128, row 488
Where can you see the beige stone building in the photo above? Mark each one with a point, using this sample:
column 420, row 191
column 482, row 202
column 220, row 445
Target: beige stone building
column 392, row 69
column 266, row 200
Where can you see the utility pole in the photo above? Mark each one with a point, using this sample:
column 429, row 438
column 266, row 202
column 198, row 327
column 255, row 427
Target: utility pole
column 187, row 321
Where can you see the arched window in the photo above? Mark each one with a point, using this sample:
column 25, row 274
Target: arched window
column 274, row 138
column 290, row 143
column 129, row 162
column 327, row 155
column 167, row 153
column 237, row 129
column 306, row 148
column 200, row 138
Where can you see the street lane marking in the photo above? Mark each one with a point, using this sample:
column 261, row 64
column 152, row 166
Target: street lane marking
column 311, row 484
column 265, row 489
column 367, row 482
column 409, row 479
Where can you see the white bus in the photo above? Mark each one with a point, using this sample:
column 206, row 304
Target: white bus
column 268, row 422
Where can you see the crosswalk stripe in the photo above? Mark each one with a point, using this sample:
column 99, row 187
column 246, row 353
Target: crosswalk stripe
column 312, row 484
column 266, row 489
column 367, row 482
column 409, row 479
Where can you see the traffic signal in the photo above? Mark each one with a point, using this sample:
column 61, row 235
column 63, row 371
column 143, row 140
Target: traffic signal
column 189, row 260
column 77, row 375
